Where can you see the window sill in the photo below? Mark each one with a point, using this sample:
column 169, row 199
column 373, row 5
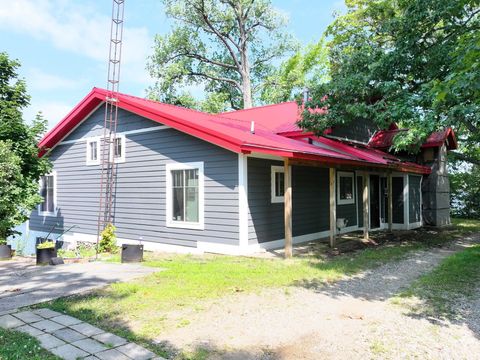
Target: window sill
column 346, row 202
column 52, row 214
column 185, row 225
column 278, row 200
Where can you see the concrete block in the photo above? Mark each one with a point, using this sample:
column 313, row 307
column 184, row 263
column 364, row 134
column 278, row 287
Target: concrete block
column 111, row 354
column 46, row 313
column 66, row 320
column 68, row 335
column 49, row 341
column 89, row 345
column 110, row 339
column 69, row 352
column 136, row 352
column 47, row 326
column 28, row 316
column 87, row 329
column 10, row 322
column 27, row 329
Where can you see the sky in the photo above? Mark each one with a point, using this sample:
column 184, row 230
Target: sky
column 63, row 45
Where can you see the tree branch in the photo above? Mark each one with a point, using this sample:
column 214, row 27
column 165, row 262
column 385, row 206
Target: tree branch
column 466, row 158
column 219, row 35
column 216, row 78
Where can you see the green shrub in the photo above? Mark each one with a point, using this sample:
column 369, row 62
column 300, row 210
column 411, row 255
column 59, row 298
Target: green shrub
column 108, row 240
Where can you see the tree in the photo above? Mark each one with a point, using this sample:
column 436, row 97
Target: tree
column 225, row 46
column 465, row 190
column 414, row 62
column 305, row 69
column 20, row 165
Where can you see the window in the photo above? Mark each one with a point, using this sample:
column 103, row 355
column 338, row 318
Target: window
column 48, row 185
column 278, row 184
column 345, row 188
column 185, row 195
column 93, row 151
column 118, row 149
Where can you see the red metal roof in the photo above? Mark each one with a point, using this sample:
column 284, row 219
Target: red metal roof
column 383, row 139
column 232, row 131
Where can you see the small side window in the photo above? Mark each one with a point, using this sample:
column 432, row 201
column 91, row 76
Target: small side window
column 278, row 184
column 93, row 151
column 118, row 149
column 345, row 188
column 48, row 191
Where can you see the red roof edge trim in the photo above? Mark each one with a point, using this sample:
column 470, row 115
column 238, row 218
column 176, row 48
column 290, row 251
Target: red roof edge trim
column 295, row 134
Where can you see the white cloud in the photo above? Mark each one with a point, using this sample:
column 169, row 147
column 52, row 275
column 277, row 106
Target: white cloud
column 40, row 80
column 51, row 110
column 78, row 29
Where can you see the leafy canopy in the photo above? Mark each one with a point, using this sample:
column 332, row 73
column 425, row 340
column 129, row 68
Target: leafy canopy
column 226, row 47
column 414, row 62
column 20, row 166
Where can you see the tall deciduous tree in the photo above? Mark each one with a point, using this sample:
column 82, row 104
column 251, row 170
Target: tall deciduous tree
column 415, row 62
column 20, row 165
column 226, row 46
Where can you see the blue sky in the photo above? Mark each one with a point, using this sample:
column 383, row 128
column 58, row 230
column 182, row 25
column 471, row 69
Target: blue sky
column 63, row 45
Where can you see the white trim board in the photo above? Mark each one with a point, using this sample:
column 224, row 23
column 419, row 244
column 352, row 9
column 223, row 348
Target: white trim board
column 243, row 200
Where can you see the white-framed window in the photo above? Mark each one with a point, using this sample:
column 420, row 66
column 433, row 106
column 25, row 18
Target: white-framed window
column 48, row 191
column 117, row 153
column 345, row 188
column 93, row 151
column 278, row 184
column 185, row 195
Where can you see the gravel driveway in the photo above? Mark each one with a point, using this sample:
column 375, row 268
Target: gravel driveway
column 22, row 283
column 351, row 319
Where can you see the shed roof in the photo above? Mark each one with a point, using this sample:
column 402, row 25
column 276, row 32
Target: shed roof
column 232, row 131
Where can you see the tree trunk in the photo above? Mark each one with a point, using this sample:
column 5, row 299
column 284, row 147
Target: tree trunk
column 247, row 91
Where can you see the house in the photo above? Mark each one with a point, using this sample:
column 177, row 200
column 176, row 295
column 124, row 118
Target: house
column 235, row 182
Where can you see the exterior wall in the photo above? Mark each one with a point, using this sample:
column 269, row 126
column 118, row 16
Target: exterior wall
column 140, row 204
column 310, row 202
column 359, row 130
column 436, row 188
column 414, row 199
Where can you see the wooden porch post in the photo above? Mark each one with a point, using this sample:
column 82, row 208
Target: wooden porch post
column 288, row 209
column 366, row 214
column 390, row 202
column 333, row 212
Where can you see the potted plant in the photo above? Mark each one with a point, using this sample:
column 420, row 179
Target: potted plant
column 45, row 252
column 5, row 250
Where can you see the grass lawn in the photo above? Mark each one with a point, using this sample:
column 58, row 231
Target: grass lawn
column 457, row 276
column 138, row 310
column 15, row 345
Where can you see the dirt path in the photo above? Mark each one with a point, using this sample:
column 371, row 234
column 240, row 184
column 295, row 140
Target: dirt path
column 350, row 319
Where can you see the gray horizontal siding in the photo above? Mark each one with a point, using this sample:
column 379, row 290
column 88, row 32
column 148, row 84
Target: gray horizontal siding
column 140, row 204
column 310, row 201
column 414, row 198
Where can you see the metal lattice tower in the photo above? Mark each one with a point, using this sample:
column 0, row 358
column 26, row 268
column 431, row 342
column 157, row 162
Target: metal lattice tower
column 108, row 167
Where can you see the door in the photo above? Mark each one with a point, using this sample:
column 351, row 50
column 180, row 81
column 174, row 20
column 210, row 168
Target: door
column 374, row 201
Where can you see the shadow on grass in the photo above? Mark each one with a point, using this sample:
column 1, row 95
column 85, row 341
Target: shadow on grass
column 450, row 294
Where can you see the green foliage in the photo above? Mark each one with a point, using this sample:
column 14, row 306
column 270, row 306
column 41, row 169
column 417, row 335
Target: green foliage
column 20, row 166
column 108, row 240
column 83, row 250
column 306, row 69
column 414, row 62
column 465, row 193
column 46, row 245
column 225, row 47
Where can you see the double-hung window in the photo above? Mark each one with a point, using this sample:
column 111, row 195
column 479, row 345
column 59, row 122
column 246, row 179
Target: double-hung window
column 278, row 184
column 185, row 195
column 93, row 151
column 48, row 184
column 345, row 188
